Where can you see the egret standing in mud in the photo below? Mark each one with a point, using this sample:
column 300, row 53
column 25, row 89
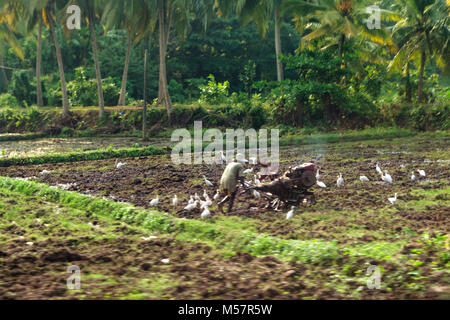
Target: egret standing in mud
column 206, row 213
column 175, row 201
column 392, row 200
column 386, row 177
column 154, row 202
column 321, row 184
column 364, row 179
column 233, row 173
column 191, row 206
column 413, row 177
column 378, row 169
column 290, row 214
column 208, row 183
column 340, row 181
column 422, row 173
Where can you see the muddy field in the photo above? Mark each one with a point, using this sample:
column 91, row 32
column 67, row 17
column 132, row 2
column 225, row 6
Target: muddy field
column 357, row 216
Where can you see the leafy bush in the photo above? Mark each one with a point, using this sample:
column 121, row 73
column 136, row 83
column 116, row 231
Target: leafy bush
column 176, row 91
column 83, row 91
column 21, row 88
column 8, row 100
column 214, row 92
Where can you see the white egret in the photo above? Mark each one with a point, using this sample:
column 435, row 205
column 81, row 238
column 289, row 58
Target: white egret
column 364, row 179
column 340, row 181
column 256, row 194
column 196, row 197
column 208, row 183
column 317, row 174
column 421, row 173
column 45, row 172
column 321, row 184
column 378, row 169
column 154, row 202
column 191, row 206
column 216, row 196
column 191, row 200
column 120, row 165
column 386, row 177
column 205, row 195
column 223, row 158
column 248, row 171
column 392, row 200
column 290, row 214
column 413, row 177
column 257, row 180
column 206, row 213
column 165, row 261
column 175, row 201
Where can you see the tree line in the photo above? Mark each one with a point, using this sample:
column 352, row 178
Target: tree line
column 412, row 32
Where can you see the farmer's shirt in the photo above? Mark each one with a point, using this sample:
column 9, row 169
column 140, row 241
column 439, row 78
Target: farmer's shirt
column 230, row 177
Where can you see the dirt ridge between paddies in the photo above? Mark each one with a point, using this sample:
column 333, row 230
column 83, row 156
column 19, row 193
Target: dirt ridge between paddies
column 109, row 153
column 316, row 251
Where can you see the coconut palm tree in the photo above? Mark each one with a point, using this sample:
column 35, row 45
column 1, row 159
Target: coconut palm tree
column 51, row 10
column 90, row 8
column 421, row 33
column 137, row 20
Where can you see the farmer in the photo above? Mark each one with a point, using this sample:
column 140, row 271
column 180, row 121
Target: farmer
column 233, row 173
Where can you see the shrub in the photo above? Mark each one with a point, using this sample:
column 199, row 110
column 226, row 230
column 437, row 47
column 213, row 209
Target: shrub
column 214, row 92
column 21, row 88
column 8, row 100
column 83, row 92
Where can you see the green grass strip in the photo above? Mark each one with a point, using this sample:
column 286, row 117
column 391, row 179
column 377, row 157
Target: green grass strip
column 192, row 230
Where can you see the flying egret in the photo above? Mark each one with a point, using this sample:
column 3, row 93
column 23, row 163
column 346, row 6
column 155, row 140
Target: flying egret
column 392, row 200
column 386, row 177
column 340, row 181
column 175, row 200
column 413, row 177
column 154, row 202
column 378, row 169
column 421, row 173
column 290, row 214
column 191, row 206
column 321, row 184
column 206, row 213
column 208, row 183
column 364, row 179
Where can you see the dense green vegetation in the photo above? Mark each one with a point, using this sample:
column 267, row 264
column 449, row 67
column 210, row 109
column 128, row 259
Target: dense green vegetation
column 220, row 59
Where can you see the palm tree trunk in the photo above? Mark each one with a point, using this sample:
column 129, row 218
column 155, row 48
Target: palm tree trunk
column 4, row 77
column 40, row 101
column 420, row 87
column 123, row 88
column 65, row 100
column 408, row 94
column 101, row 101
column 164, row 27
column 280, row 75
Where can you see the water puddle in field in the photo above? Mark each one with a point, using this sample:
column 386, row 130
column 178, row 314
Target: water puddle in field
column 27, row 148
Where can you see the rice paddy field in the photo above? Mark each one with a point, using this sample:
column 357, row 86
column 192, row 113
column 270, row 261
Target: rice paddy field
column 98, row 217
